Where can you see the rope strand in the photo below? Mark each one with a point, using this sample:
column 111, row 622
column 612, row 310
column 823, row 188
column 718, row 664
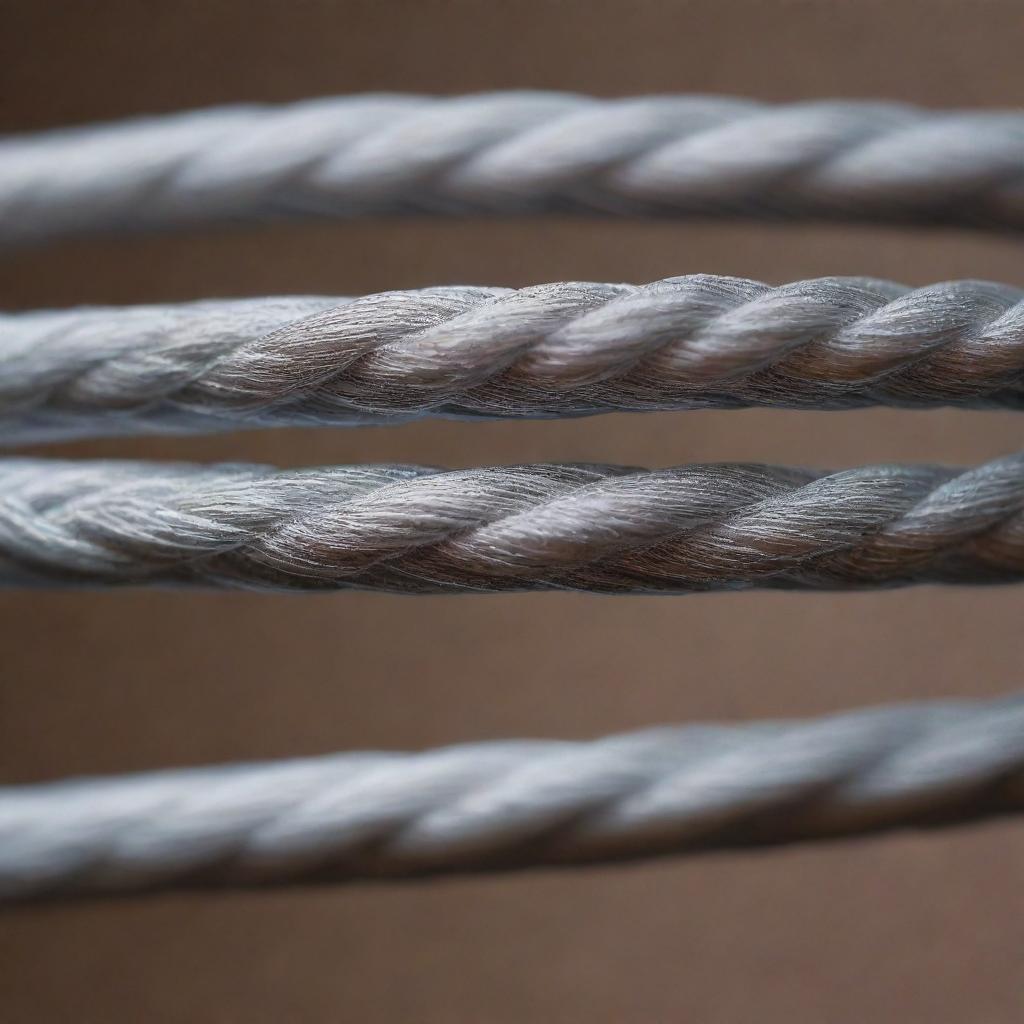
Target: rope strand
column 515, row 804
column 567, row 349
column 593, row 528
column 516, row 153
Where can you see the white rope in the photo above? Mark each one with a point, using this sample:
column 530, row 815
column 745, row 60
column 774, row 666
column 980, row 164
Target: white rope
column 515, row 804
column 558, row 350
column 518, row 152
column 553, row 350
column 535, row 527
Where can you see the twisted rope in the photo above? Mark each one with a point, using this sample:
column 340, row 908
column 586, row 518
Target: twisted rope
column 518, row 152
column 515, row 804
column 553, row 350
column 541, row 527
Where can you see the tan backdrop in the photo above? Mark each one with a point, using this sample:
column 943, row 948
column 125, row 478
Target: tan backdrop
column 907, row 928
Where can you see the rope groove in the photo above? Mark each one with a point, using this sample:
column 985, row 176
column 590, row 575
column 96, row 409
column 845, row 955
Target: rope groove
column 566, row 349
column 516, row 153
column 515, row 804
column 532, row 527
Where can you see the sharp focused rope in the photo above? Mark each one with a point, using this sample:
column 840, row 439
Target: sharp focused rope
column 553, row 350
column 534, row 527
column 515, row 804
column 518, row 152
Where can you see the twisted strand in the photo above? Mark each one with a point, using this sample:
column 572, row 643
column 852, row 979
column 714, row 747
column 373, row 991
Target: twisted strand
column 518, row 152
column 515, row 804
column 566, row 349
column 535, row 527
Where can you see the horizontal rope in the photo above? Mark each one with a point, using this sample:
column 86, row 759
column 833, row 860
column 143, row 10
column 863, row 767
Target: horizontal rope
column 515, row 804
column 535, row 527
column 518, row 152
column 566, row 349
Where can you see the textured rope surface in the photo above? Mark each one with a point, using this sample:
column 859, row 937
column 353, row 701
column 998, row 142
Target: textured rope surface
column 553, row 350
column 514, row 804
column 519, row 152
column 540, row 527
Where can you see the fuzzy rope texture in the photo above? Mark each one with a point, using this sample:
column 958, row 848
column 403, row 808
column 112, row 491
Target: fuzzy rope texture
column 566, row 349
column 514, row 153
column 515, row 804
column 596, row 528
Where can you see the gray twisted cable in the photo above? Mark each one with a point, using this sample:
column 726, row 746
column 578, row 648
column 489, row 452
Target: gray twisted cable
column 594, row 528
column 515, row 804
column 518, row 152
column 566, row 349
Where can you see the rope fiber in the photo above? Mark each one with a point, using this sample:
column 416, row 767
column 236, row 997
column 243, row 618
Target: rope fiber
column 518, row 153
column 566, row 349
column 515, row 804
column 596, row 528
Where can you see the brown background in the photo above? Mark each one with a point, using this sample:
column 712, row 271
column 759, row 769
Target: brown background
column 906, row 928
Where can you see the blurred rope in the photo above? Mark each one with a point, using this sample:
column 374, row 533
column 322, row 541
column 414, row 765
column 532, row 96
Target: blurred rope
column 565, row 349
column 518, row 153
column 515, row 804
column 604, row 529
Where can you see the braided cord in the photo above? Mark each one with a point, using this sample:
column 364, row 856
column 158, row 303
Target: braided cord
column 567, row 349
column 518, row 152
column 557, row 350
column 593, row 528
column 515, row 804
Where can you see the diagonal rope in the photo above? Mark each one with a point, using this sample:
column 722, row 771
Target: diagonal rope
column 515, row 804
